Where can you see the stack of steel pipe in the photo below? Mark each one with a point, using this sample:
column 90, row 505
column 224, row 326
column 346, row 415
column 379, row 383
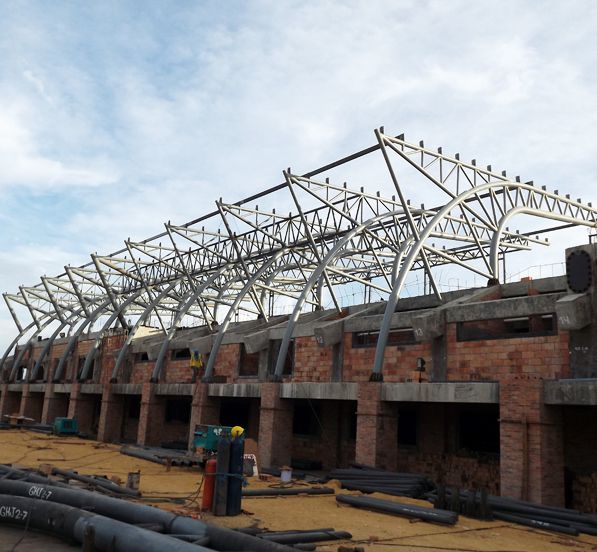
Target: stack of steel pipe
column 117, row 522
column 550, row 518
column 371, row 480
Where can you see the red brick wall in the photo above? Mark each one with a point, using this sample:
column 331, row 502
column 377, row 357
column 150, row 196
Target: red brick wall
column 311, row 362
column 141, row 372
column 496, row 359
column 226, row 365
column 399, row 361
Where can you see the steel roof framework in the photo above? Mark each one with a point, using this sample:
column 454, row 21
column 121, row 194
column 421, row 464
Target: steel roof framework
column 239, row 260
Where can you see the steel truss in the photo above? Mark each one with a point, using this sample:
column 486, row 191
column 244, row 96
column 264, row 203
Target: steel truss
column 239, row 261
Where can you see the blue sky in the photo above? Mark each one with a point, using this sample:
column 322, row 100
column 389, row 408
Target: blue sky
column 118, row 116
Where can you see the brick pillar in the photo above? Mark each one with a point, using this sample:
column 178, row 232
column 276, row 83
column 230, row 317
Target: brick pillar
column 111, row 413
column 204, row 409
column 531, row 443
column 82, row 407
column 10, row 402
column 31, row 404
column 55, row 405
column 330, row 420
column 151, row 417
column 275, row 427
column 377, row 428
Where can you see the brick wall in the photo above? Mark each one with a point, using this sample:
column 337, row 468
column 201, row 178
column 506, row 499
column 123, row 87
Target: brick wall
column 398, row 366
column 498, row 359
column 311, row 362
column 531, row 442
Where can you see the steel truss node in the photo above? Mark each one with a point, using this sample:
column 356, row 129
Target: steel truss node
column 240, row 261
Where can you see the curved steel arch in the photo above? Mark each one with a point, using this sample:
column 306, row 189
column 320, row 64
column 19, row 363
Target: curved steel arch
column 191, row 298
column 140, row 321
column 118, row 313
column 14, row 343
column 441, row 214
column 209, row 369
column 315, row 276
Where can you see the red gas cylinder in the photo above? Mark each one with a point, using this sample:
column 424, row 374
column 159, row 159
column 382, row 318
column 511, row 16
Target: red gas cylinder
column 209, row 482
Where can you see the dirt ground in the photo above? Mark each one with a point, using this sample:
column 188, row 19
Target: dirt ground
column 179, row 489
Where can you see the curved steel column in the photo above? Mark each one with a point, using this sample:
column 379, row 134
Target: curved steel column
column 376, row 374
column 209, row 369
column 332, row 254
column 133, row 331
column 93, row 351
column 192, row 296
column 72, row 342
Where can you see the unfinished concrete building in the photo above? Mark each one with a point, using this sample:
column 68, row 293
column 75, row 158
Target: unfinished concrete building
column 296, row 326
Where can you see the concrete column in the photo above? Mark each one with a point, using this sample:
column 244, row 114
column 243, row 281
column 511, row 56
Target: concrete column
column 531, row 443
column 204, row 409
column 275, row 427
column 377, row 428
column 111, row 416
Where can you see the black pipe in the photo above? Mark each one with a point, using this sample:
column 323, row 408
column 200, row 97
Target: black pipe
column 220, row 538
column 72, row 523
column 397, row 508
column 96, row 481
column 392, row 491
column 7, row 472
column 143, row 455
column 288, row 492
column 536, row 523
column 314, row 536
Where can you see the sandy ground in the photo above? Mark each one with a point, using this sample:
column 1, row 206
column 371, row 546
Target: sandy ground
column 179, row 489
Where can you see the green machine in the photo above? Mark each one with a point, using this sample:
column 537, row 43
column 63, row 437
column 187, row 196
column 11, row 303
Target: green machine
column 65, row 426
column 206, row 437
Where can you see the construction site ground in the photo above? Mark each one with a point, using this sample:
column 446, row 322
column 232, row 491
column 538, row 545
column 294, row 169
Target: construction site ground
column 179, row 489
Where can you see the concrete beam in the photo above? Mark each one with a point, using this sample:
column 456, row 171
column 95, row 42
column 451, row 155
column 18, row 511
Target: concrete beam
column 241, row 390
column 63, row 388
column 341, row 391
column 124, row 388
column 91, row 388
column 328, row 334
column 542, row 285
column 449, row 392
column 429, row 325
column 574, row 311
column 202, row 344
column 178, row 389
column 582, row 392
column 256, row 342
column 37, row 387
column 504, row 308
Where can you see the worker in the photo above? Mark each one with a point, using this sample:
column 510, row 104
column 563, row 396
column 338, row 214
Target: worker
column 236, row 432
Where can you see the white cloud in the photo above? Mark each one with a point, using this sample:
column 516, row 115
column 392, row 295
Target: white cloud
column 23, row 165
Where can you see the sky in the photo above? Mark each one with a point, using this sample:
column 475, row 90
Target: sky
column 118, row 116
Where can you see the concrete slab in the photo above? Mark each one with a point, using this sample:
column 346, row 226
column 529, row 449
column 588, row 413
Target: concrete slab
column 178, row 389
column 447, row 392
column 580, row 392
column 340, row 391
column 248, row 390
column 574, row 311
